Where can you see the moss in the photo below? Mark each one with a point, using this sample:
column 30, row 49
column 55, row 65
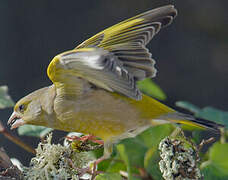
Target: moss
column 54, row 161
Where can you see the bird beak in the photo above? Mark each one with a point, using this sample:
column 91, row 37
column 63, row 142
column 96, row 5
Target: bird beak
column 15, row 120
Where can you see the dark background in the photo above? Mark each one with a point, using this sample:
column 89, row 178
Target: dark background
column 191, row 54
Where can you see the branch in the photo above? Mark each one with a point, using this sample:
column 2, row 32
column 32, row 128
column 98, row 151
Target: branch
column 15, row 139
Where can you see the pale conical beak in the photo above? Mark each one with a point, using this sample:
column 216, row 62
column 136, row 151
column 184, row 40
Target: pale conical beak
column 15, row 120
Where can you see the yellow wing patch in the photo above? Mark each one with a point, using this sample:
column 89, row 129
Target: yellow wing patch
column 54, row 69
column 100, row 38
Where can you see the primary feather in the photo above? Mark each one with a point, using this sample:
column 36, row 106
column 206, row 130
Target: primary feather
column 127, row 40
column 115, row 58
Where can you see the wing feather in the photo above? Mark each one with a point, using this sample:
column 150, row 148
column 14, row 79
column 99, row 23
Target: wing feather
column 115, row 58
column 132, row 35
column 98, row 67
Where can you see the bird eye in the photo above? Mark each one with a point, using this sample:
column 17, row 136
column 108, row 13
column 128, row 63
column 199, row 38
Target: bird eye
column 21, row 108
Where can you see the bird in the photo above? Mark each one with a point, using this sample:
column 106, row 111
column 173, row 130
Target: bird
column 94, row 88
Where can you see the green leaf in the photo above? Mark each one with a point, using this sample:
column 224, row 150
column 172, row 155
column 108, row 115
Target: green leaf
column 208, row 173
column 151, row 163
column 217, row 165
column 135, row 151
column 124, row 156
column 5, row 99
column 116, row 165
column 148, row 87
column 109, row 176
column 219, row 158
column 215, row 115
column 31, row 130
column 186, row 105
column 152, row 136
column 197, row 136
column 208, row 113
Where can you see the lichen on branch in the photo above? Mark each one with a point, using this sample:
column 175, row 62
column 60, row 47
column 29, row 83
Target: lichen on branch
column 178, row 161
column 55, row 161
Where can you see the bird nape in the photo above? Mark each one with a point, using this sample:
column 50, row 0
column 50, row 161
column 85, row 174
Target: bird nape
column 94, row 85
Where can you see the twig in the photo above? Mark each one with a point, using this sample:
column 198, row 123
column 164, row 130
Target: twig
column 15, row 139
column 204, row 142
column 223, row 136
column 176, row 132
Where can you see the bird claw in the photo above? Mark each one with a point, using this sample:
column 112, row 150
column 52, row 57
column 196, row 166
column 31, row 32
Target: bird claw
column 88, row 170
column 92, row 170
column 84, row 171
column 86, row 138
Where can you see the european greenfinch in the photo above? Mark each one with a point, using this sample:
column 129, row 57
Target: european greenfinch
column 94, row 85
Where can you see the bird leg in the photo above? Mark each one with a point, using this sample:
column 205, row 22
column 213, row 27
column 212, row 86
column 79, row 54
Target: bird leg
column 82, row 171
column 94, row 170
column 91, row 169
column 107, row 152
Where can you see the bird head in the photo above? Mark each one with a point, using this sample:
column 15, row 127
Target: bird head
column 28, row 110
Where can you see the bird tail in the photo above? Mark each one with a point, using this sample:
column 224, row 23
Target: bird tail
column 187, row 119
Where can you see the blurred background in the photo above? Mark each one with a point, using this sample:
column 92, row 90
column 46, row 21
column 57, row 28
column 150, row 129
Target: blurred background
column 191, row 54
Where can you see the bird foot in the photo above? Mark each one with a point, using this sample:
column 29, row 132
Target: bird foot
column 86, row 138
column 92, row 170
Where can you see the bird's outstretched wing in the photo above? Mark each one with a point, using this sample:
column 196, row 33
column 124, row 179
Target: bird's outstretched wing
column 128, row 38
column 115, row 58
